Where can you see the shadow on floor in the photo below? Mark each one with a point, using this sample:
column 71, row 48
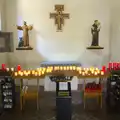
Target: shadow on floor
column 47, row 109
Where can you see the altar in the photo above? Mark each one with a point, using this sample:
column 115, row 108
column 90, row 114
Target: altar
column 51, row 86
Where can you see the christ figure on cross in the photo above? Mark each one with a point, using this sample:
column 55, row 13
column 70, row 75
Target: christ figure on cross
column 25, row 28
column 59, row 18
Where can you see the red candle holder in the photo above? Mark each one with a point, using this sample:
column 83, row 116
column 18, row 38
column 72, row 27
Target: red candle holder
column 18, row 67
column 104, row 69
column 3, row 66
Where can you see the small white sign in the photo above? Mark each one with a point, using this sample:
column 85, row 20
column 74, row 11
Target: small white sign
column 113, row 83
column 63, row 86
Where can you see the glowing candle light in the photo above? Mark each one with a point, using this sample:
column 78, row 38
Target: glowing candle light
column 44, row 69
column 36, row 73
column 47, row 70
column 40, row 69
column 74, row 68
column 79, row 68
column 90, row 68
column 64, row 68
column 98, row 71
column 21, row 73
column 95, row 73
column 28, row 71
column 33, row 72
column 55, row 68
column 7, row 69
column 24, row 72
column 83, row 73
column 71, row 68
column 80, row 72
column 43, row 72
column 86, row 71
column 92, row 71
column 51, row 67
column 61, row 68
column 102, row 73
column 12, row 69
column 16, row 73
column 39, row 73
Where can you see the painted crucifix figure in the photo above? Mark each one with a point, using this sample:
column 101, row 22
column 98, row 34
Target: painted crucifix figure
column 25, row 28
column 59, row 16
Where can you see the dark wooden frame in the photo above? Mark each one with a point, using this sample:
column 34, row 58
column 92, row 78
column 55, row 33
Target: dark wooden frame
column 8, row 37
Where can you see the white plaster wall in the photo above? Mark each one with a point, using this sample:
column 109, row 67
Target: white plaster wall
column 3, row 56
column 59, row 46
column 115, row 31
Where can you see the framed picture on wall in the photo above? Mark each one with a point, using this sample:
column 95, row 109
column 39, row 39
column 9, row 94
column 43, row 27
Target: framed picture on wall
column 6, row 42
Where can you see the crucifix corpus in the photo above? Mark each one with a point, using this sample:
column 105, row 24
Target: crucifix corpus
column 24, row 40
column 59, row 16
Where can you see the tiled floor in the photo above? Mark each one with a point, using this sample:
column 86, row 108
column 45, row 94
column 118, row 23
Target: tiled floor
column 47, row 110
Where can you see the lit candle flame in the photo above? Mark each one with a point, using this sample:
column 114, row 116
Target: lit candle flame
column 12, row 69
column 33, row 72
column 64, row 68
column 68, row 67
column 102, row 73
column 16, row 73
column 21, row 73
column 71, row 68
column 7, row 69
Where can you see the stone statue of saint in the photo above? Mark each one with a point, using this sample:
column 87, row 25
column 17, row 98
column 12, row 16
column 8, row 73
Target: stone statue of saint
column 95, row 33
column 25, row 28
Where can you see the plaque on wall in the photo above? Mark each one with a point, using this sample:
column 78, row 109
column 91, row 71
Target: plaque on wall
column 6, row 42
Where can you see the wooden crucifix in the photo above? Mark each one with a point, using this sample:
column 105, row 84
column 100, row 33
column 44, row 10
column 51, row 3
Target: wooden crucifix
column 59, row 16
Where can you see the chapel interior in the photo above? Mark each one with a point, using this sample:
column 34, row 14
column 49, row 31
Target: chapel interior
column 59, row 59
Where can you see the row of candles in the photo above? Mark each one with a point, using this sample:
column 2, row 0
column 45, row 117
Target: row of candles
column 111, row 66
column 43, row 71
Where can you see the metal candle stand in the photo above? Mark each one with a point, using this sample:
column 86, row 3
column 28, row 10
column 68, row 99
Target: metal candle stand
column 7, row 90
column 61, row 73
column 113, row 91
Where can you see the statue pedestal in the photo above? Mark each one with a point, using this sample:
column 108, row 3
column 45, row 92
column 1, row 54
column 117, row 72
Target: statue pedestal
column 24, row 48
column 95, row 47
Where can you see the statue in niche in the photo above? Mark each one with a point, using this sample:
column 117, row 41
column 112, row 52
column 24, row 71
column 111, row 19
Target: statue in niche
column 95, row 35
column 24, row 41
